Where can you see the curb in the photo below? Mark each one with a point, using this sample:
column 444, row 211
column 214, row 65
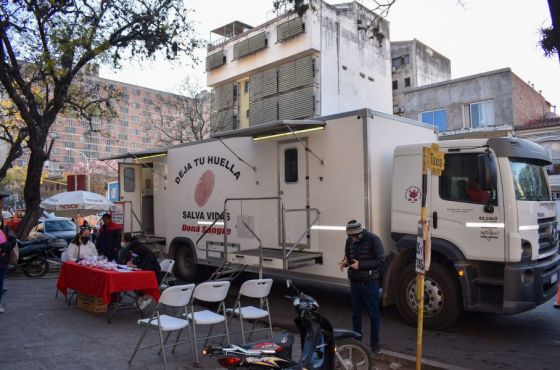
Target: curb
column 397, row 360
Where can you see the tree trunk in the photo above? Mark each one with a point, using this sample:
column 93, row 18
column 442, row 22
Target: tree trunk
column 32, row 193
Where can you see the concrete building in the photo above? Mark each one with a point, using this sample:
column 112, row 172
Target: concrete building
column 295, row 68
column 415, row 64
column 486, row 104
column 76, row 140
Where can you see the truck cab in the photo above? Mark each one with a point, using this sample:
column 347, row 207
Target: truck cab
column 493, row 228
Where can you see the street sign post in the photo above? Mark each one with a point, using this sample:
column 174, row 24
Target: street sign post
column 433, row 160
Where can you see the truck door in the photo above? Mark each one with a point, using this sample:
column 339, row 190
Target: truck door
column 467, row 207
column 293, row 189
column 130, row 189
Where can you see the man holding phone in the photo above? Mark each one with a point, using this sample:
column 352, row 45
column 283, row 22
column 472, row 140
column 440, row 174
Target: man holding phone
column 364, row 256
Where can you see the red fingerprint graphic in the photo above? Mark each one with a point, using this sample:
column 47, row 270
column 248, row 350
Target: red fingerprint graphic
column 204, row 188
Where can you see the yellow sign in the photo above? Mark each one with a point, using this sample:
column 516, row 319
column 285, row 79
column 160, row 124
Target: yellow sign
column 435, row 160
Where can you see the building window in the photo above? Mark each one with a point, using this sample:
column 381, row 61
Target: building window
column 69, row 144
column 291, row 165
column 436, row 118
column 70, row 129
column 395, row 85
column 247, row 87
column 407, row 82
column 403, row 60
column 55, row 150
column 482, row 114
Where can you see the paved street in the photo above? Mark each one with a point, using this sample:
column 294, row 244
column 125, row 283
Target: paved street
column 43, row 333
column 530, row 340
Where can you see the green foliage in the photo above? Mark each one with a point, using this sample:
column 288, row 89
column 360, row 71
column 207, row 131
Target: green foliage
column 45, row 45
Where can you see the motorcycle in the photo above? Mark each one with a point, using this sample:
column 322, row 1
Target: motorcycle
column 34, row 255
column 322, row 346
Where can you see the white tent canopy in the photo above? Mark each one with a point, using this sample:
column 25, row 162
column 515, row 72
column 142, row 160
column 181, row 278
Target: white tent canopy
column 72, row 203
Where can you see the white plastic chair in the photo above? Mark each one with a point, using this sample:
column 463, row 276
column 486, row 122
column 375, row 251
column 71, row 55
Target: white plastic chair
column 256, row 289
column 211, row 291
column 166, row 266
column 179, row 297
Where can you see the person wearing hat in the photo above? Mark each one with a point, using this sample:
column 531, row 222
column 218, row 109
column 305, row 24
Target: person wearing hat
column 364, row 257
column 109, row 238
column 7, row 243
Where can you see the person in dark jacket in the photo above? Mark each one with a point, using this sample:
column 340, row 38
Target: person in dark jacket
column 7, row 243
column 364, row 256
column 143, row 258
column 109, row 238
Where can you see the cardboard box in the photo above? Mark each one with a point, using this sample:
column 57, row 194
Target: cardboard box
column 91, row 304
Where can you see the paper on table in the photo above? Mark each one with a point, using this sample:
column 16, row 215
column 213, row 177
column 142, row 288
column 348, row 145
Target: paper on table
column 124, row 267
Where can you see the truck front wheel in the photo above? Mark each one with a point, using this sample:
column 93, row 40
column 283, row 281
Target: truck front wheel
column 442, row 305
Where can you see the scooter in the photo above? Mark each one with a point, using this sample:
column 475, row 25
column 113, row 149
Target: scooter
column 322, row 346
column 34, row 255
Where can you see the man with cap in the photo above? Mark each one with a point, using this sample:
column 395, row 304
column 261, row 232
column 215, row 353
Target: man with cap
column 364, row 256
column 109, row 238
column 7, row 243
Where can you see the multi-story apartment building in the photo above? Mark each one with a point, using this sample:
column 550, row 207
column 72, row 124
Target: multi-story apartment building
column 415, row 64
column 488, row 104
column 295, row 67
column 132, row 129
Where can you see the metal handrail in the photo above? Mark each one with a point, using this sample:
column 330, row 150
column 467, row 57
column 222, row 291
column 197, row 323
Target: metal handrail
column 206, row 232
column 286, row 255
column 137, row 220
column 245, row 224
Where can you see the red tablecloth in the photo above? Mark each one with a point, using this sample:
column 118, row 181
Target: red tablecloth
column 101, row 283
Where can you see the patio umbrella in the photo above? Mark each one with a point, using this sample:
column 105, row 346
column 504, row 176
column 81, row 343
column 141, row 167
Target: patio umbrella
column 76, row 203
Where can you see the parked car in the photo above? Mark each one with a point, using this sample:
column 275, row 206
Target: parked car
column 54, row 227
column 7, row 215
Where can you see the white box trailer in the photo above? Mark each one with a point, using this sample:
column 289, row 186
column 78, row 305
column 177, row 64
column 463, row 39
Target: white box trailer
column 279, row 196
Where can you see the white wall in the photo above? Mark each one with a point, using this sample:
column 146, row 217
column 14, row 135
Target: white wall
column 351, row 88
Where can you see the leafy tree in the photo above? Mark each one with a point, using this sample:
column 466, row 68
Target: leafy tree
column 14, row 181
column 98, row 171
column 13, row 135
column 550, row 36
column 46, row 44
column 183, row 118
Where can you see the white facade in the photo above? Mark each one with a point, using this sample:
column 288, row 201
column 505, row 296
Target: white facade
column 351, row 70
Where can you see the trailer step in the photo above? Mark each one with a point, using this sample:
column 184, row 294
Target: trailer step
column 273, row 258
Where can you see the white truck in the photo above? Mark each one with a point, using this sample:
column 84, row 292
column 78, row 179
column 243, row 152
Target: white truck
column 278, row 196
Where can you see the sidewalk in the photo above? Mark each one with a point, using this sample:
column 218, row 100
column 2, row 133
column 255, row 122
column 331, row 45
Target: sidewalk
column 40, row 332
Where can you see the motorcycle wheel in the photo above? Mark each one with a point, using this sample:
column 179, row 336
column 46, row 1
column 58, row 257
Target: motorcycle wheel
column 352, row 354
column 36, row 267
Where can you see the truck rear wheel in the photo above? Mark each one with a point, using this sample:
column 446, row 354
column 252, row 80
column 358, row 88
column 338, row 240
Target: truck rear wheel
column 442, row 305
column 186, row 262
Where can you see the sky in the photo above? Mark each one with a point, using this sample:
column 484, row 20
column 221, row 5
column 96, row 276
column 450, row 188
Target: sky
column 477, row 36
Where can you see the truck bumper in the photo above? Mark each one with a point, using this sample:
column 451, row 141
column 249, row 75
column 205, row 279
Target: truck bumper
column 527, row 285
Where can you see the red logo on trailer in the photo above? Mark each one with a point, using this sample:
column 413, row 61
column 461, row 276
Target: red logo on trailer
column 204, row 188
column 413, row 194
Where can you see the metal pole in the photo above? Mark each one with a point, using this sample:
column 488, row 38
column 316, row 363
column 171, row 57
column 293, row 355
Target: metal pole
column 419, row 276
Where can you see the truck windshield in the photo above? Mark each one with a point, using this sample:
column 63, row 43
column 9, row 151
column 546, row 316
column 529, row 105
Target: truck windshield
column 529, row 181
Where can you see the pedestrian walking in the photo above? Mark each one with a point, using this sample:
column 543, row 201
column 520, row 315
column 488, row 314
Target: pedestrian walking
column 364, row 257
column 7, row 243
column 109, row 238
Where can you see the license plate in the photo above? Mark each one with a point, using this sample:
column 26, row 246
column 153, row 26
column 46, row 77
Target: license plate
column 553, row 278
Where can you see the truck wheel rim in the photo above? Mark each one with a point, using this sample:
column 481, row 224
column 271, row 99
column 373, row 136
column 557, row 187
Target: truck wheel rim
column 433, row 297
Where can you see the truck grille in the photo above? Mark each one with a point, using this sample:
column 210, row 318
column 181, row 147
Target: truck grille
column 548, row 236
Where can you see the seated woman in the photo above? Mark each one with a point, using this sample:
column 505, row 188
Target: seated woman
column 81, row 246
column 142, row 258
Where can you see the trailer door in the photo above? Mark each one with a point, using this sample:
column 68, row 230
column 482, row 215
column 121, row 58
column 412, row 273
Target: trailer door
column 293, row 189
column 130, row 189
